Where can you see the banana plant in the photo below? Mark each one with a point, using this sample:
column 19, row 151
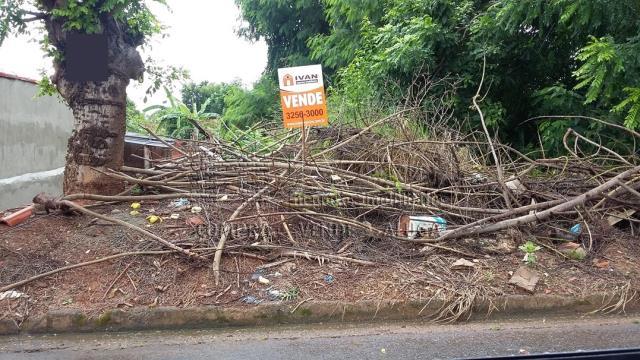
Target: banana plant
column 177, row 120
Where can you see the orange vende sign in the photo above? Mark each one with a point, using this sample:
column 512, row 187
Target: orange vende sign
column 302, row 96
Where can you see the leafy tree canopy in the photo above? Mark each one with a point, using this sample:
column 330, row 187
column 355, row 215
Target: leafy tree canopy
column 198, row 94
column 285, row 25
column 177, row 119
column 246, row 107
column 84, row 16
column 558, row 57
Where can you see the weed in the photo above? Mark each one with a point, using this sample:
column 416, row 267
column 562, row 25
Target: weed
column 489, row 276
column 529, row 248
column 290, row 294
column 68, row 301
column 577, row 254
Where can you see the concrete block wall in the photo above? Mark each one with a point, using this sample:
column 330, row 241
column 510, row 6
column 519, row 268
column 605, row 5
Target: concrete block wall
column 33, row 141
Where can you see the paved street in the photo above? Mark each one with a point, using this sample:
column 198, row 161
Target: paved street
column 370, row 341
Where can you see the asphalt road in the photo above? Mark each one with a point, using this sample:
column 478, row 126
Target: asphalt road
column 369, row 341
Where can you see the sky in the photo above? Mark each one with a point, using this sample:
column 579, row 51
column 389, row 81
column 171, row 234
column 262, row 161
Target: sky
column 201, row 39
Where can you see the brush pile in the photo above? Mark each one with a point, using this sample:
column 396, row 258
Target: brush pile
column 416, row 211
column 343, row 187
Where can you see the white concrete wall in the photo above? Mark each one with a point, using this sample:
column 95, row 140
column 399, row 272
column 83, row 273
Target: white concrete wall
column 33, row 142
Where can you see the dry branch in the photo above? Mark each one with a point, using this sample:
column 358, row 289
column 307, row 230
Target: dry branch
column 75, row 266
column 539, row 216
column 364, row 180
column 505, row 191
column 132, row 227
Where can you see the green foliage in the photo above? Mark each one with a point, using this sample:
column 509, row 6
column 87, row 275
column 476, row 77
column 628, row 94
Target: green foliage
column 246, row 107
column 337, row 48
column 632, row 120
column 13, row 16
column 290, row 294
column 162, row 76
column 176, row 120
column 530, row 248
column 240, row 108
column 198, row 94
column 600, row 64
column 80, row 15
column 136, row 119
column 560, row 57
column 285, row 25
column 406, row 39
column 552, row 131
column 84, row 15
column 45, row 87
column 252, row 139
column 133, row 17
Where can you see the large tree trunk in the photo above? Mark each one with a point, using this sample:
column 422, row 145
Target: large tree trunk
column 97, row 142
column 99, row 108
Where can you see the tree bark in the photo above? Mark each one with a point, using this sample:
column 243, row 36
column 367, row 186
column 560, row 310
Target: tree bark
column 97, row 141
column 99, row 107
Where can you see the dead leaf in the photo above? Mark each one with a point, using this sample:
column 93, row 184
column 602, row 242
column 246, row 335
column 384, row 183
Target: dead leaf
column 462, row 264
column 162, row 288
column 601, row 263
column 195, row 221
column 568, row 246
column 114, row 292
column 155, row 302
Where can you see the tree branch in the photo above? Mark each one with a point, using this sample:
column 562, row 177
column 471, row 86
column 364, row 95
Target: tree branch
column 505, row 190
column 35, row 18
column 74, row 266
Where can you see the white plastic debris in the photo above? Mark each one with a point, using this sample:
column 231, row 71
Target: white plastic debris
column 196, row 209
column 477, row 178
column 516, row 186
column 174, row 216
column 274, row 294
column 180, row 202
column 207, row 151
column 12, row 294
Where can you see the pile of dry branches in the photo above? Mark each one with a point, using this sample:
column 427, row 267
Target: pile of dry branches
column 295, row 192
column 364, row 179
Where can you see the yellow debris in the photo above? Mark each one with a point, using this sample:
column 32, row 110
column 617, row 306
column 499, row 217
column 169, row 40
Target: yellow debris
column 152, row 219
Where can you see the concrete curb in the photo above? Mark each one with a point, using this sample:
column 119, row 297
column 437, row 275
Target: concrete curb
column 69, row 321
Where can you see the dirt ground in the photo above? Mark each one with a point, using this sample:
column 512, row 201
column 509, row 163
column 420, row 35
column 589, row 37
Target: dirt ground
column 46, row 242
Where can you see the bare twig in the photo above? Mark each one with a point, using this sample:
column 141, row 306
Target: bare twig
column 506, row 193
column 74, row 266
column 164, row 141
column 132, row 227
